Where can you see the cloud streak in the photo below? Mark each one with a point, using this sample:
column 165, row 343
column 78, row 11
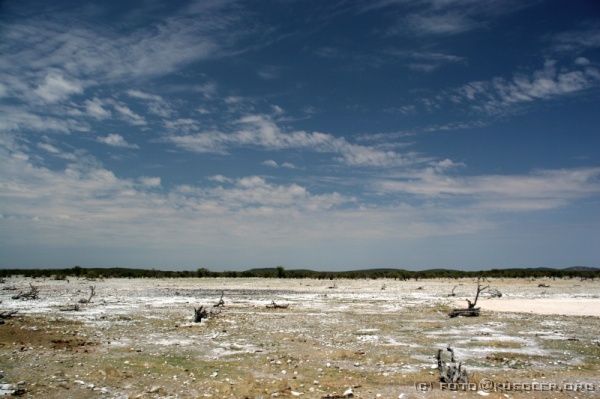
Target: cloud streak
column 544, row 189
column 261, row 132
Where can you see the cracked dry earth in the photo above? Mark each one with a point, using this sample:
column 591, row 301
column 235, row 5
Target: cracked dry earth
column 136, row 339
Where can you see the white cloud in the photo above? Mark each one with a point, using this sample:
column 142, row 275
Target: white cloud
column 577, row 40
column 542, row 189
column 150, row 181
column 499, row 94
column 261, row 131
column 220, row 179
column 270, row 163
column 55, row 151
column 438, row 24
column 48, row 147
column 17, row 118
column 185, row 125
column 56, row 87
column 269, row 72
column 95, row 108
column 87, row 204
column 115, row 140
column 156, row 104
column 83, row 51
column 273, row 164
column 127, row 114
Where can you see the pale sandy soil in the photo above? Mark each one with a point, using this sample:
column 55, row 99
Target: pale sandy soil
column 378, row 337
column 546, row 306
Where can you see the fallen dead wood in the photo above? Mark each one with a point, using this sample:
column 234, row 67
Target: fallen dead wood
column 494, row 293
column 8, row 314
column 70, row 308
column 274, row 305
column 542, row 285
column 451, row 372
column 473, row 312
column 31, row 294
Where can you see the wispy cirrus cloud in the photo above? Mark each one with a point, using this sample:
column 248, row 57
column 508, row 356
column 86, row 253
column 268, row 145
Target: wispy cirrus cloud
column 441, row 17
column 423, row 61
column 155, row 103
column 87, row 51
column 499, row 95
column 541, row 189
column 577, row 40
column 262, row 132
column 15, row 119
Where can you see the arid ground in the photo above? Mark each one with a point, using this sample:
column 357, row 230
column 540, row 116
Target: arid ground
column 375, row 338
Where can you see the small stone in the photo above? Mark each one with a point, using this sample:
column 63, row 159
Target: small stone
column 154, row 389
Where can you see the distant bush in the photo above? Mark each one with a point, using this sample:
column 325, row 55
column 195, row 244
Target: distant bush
column 281, row 272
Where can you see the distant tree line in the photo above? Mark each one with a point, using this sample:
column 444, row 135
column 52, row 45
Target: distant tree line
column 281, row 272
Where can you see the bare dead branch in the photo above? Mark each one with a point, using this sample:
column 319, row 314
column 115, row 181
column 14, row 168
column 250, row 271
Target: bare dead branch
column 92, row 294
column 221, row 301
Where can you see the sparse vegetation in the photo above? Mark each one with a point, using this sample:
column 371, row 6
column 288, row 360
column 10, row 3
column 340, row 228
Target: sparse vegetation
column 280, row 272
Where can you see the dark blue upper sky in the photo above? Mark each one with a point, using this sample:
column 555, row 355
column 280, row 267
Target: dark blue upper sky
column 325, row 134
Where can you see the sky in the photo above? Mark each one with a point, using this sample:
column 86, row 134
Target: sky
column 330, row 135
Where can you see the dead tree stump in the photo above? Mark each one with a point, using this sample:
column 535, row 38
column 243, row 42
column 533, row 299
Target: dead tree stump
column 471, row 310
column 199, row 314
column 451, row 372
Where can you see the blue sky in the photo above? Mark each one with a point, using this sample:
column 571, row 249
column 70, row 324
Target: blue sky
column 327, row 134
